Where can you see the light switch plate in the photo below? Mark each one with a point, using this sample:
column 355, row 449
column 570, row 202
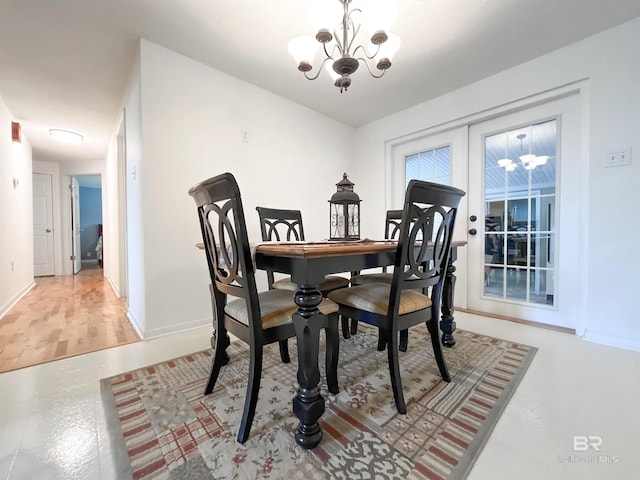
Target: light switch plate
column 618, row 158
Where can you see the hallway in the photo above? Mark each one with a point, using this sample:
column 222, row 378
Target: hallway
column 61, row 317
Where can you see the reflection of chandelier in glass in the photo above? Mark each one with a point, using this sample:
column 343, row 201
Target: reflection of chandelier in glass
column 529, row 160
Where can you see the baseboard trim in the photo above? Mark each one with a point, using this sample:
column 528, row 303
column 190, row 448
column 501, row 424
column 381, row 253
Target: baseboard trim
column 177, row 328
column 12, row 302
column 546, row 326
column 612, row 341
column 136, row 325
column 113, row 286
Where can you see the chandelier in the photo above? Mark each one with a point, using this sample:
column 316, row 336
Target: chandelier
column 529, row 160
column 349, row 35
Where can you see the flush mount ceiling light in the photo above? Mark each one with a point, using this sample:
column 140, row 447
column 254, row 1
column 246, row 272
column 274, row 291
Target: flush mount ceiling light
column 349, row 36
column 66, row 136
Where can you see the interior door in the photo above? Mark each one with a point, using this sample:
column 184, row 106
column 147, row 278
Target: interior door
column 43, row 262
column 76, row 256
column 523, row 224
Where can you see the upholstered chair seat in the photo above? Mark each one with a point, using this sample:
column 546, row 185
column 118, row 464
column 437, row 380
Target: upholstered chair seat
column 374, row 298
column 276, row 308
column 368, row 278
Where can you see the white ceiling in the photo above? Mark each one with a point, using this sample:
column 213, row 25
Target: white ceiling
column 66, row 63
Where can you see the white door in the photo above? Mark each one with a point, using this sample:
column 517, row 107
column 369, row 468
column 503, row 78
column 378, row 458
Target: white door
column 43, row 263
column 76, row 256
column 441, row 158
column 524, row 213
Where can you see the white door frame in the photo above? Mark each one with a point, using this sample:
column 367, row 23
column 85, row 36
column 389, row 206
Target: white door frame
column 76, row 255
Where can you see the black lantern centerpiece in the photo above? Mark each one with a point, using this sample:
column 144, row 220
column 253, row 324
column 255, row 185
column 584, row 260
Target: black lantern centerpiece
column 344, row 212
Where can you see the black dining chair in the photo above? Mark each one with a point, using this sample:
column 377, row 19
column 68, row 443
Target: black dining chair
column 424, row 243
column 282, row 225
column 256, row 318
column 391, row 232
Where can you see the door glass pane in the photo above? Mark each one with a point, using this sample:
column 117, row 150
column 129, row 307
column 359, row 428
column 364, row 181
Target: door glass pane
column 431, row 165
column 520, row 200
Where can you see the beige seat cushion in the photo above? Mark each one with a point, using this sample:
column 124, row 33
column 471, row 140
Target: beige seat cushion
column 276, row 307
column 375, row 298
column 367, row 278
column 331, row 282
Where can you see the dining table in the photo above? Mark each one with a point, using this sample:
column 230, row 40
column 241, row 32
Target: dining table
column 307, row 263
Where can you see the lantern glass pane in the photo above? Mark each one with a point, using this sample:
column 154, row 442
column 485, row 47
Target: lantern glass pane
column 337, row 221
column 354, row 221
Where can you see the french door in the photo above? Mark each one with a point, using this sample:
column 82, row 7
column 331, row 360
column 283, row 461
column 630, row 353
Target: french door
column 520, row 217
column 523, row 224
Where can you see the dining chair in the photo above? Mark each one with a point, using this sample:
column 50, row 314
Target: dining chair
column 424, row 243
column 282, row 225
column 391, row 232
column 256, row 318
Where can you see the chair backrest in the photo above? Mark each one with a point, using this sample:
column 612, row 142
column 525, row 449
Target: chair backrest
column 426, row 229
column 277, row 225
column 226, row 243
column 392, row 225
column 280, row 225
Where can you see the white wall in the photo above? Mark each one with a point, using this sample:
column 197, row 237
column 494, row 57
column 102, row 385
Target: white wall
column 610, row 62
column 136, row 310
column 16, row 215
column 190, row 124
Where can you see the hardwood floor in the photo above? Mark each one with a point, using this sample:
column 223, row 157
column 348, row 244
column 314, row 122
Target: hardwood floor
column 62, row 317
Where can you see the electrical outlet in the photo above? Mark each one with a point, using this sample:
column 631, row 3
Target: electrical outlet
column 618, row 158
column 12, row 266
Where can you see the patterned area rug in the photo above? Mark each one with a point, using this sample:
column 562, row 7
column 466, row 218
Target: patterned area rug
column 162, row 426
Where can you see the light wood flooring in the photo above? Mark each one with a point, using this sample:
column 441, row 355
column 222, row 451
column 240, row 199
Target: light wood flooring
column 61, row 317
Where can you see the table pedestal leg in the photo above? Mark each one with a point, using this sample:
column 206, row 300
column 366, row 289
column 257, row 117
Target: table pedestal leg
column 447, row 324
column 308, row 404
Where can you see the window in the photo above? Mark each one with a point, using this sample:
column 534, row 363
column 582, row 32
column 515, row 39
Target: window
column 431, row 165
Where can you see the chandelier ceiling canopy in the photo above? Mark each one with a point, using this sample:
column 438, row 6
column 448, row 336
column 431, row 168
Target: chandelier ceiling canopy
column 350, row 32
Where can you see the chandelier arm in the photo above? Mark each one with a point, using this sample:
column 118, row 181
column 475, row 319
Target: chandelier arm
column 364, row 51
column 366, row 63
column 330, row 56
column 338, row 44
column 319, row 70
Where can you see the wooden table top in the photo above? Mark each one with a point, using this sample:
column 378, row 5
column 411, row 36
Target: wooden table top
column 326, row 247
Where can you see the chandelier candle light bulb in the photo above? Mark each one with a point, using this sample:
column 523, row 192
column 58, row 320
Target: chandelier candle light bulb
column 349, row 36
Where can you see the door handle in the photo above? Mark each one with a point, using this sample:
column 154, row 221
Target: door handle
column 48, row 230
column 473, row 231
